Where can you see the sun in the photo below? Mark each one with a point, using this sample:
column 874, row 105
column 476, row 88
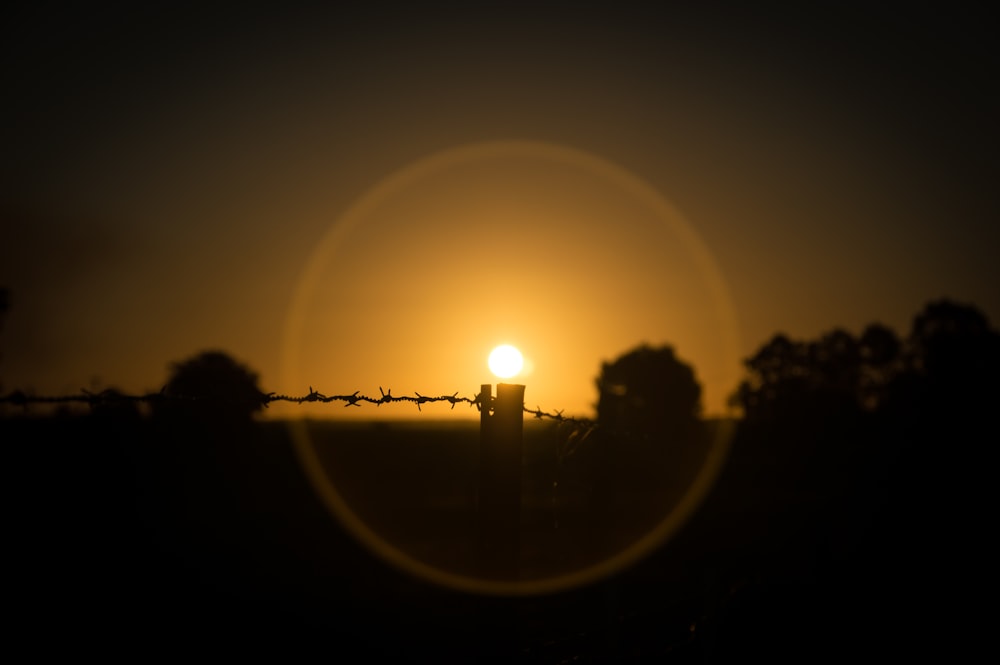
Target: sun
column 505, row 361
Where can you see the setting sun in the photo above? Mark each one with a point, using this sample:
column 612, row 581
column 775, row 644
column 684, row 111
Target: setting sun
column 505, row 361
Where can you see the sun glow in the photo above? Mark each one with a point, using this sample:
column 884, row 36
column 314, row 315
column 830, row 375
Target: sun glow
column 505, row 361
column 581, row 292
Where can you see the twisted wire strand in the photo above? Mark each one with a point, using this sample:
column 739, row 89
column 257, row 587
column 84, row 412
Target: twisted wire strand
column 114, row 397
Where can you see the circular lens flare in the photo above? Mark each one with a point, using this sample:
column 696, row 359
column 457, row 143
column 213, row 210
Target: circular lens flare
column 505, row 361
column 550, row 561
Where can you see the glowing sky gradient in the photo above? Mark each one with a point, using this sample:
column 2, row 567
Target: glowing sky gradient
column 169, row 175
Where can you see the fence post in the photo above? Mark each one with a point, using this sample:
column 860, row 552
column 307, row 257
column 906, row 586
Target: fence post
column 501, row 444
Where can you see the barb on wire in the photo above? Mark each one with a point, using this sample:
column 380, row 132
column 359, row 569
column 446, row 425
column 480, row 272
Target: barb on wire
column 559, row 417
column 579, row 429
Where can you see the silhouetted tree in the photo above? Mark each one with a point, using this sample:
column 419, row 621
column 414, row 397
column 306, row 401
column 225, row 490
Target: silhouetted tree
column 211, row 386
column 881, row 354
column 795, row 380
column 834, row 362
column 648, row 390
column 948, row 337
column 779, row 375
column 648, row 446
column 952, row 357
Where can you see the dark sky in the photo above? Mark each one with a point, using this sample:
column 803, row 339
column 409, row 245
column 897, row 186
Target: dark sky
column 168, row 172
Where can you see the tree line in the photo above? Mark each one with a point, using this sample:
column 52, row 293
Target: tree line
column 949, row 361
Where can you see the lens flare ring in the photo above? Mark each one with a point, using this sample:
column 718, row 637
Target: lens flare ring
column 411, row 176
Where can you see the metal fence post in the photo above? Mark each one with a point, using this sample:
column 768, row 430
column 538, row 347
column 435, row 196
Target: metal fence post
column 501, row 444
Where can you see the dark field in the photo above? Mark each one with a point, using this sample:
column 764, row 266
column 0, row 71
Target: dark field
column 130, row 538
column 415, row 485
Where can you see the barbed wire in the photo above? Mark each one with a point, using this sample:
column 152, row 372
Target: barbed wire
column 116, row 398
column 356, row 398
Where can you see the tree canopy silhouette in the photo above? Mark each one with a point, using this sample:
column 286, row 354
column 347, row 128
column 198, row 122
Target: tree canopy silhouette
column 949, row 338
column 948, row 358
column 648, row 390
column 795, row 378
column 953, row 357
column 212, row 386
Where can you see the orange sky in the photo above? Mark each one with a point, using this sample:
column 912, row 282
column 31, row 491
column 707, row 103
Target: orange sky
column 566, row 256
column 172, row 182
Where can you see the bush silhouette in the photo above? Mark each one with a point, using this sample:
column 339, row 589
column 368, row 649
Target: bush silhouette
column 649, row 391
column 211, row 386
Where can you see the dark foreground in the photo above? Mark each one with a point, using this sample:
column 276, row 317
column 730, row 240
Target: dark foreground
column 124, row 538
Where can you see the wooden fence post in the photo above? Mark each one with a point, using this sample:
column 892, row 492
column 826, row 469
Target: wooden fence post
column 501, row 444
